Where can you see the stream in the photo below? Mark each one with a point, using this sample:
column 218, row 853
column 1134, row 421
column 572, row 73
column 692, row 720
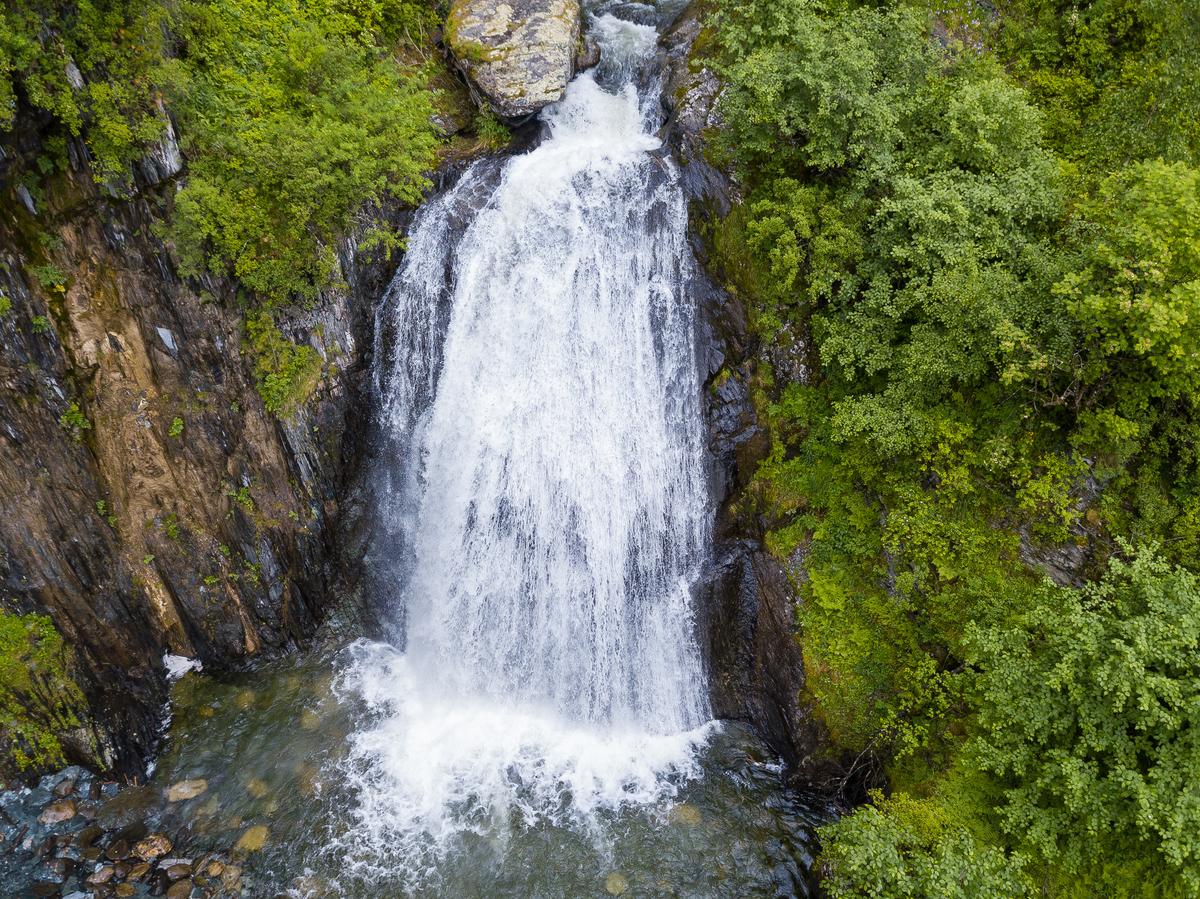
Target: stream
column 529, row 716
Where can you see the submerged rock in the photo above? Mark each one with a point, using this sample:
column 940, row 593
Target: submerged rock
column 253, row 839
column 519, row 54
column 186, row 789
column 616, row 884
column 152, row 847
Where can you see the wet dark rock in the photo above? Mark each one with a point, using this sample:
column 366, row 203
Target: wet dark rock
column 64, row 787
column 102, row 875
column 178, row 871
column 117, row 850
column 61, row 867
column 180, row 890
column 692, row 94
column 746, row 601
column 132, row 832
column 588, row 55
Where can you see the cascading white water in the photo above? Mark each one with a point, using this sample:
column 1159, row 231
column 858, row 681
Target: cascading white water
column 545, row 387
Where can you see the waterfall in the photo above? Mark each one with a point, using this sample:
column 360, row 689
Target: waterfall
column 547, row 489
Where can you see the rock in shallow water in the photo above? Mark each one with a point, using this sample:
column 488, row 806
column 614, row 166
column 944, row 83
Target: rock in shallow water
column 520, row 54
column 152, row 847
column 186, row 789
column 253, row 839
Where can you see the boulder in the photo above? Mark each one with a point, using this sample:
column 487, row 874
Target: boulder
column 519, row 54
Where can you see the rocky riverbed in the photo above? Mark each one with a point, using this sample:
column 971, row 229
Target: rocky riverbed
column 75, row 836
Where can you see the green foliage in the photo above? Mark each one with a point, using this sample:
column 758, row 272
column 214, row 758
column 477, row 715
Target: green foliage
column 40, row 324
column 1090, row 715
column 1137, row 293
column 1119, row 79
column 901, row 848
column 492, row 133
column 287, row 372
column 243, row 498
column 106, row 513
column 176, row 429
column 49, row 276
column 38, row 698
column 965, row 208
column 75, row 421
column 5, row 305
column 293, row 116
column 114, row 47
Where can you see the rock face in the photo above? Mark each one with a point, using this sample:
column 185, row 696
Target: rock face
column 747, row 600
column 148, row 501
column 519, row 54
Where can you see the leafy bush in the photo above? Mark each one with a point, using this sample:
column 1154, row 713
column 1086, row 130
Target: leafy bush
column 75, row 421
column 901, row 848
column 964, row 209
column 287, row 372
column 293, row 117
column 111, row 48
column 1090, row 716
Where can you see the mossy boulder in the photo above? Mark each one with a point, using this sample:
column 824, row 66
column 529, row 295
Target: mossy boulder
column 518, row 54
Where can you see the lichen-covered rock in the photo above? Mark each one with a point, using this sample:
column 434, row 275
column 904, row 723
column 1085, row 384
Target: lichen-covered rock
column 519, row 54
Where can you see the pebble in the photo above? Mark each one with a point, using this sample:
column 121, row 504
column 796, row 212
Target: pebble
column 616, row 884
column 126, row 889
column 181, row 889
column 244, row 699
column 230, row 876
column 57, row 812
column 154, row 846
column 253, row 839
column 178, row 871
column 186, row 789
column 685, row 813
column 117, row 850
column 257, row 787
column 102, row 875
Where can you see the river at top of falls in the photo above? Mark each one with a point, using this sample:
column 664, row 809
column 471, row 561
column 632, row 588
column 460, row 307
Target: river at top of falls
column 543, row 400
